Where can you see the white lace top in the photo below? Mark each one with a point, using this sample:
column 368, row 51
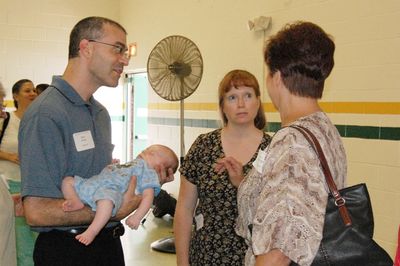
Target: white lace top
column 284, row 200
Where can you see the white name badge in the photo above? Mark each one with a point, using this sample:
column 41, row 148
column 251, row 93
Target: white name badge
column 259, row 162
column 83, row 140
column 199, row 221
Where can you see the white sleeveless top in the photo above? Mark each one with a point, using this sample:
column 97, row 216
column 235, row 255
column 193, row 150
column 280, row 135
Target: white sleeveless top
column 10, row 144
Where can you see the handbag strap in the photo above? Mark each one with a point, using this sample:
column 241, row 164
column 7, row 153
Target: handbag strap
column 5, row 124
column 339, row 200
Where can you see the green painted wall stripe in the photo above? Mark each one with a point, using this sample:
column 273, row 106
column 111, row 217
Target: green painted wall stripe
column 347, row 131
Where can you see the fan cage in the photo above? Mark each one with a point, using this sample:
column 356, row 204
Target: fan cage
column 175, row 68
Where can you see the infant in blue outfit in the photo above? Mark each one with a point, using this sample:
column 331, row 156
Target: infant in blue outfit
column 104, row 192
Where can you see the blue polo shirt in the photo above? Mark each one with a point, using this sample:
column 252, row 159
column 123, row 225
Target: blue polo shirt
column 62, row 135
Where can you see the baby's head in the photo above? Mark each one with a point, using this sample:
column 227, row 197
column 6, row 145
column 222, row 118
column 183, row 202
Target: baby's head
column 157, row 154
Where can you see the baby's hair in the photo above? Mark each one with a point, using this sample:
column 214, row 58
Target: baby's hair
column 168, row 152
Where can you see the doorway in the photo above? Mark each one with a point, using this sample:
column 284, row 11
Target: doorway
column 136, row 112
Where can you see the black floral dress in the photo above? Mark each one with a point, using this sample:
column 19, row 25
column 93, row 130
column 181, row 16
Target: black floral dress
column 216, row 242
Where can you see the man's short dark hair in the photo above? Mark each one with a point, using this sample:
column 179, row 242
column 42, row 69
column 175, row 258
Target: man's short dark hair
column 88, row 28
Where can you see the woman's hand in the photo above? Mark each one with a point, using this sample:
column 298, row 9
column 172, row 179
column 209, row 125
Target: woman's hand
column 234, row 168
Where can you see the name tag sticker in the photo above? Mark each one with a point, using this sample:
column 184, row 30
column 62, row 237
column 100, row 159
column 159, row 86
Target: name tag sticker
column 83, row 140
column 199, row 221
column 259, row 162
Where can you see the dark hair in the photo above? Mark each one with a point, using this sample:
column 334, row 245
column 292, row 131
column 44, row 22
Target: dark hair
column 41, row 87
column 17, row 87
column 236, row 78
column 303, row 53
column 88, row 28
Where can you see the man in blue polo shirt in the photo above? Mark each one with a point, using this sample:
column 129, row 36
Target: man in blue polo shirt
column 66, row 132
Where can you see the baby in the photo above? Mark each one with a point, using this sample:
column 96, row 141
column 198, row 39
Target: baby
column 104, row 192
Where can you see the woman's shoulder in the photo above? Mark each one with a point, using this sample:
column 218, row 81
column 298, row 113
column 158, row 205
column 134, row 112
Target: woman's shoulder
column 316, row 122
column 266, row 137
column 211, row 136
column 284, row 135
column 206, row 143
column 212, row 133
column 13, row 119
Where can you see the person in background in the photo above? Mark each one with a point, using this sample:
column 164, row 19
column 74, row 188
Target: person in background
column 24, row 93
column 103, row 192
column 282, row 201
column 8, row 252
column 68, row 133
column 41, row 88
column 213, row 241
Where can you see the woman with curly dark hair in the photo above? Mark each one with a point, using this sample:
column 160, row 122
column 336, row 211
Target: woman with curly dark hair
column 282, row 200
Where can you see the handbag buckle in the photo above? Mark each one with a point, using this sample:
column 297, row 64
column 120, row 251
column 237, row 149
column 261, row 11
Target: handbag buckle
column 340, row 202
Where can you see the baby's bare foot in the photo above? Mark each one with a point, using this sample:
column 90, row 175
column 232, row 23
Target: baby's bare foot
column 85, row 238
column 133, row 223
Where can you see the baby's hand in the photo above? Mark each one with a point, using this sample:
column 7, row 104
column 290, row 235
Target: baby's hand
column 115, row 161
column 133, row 222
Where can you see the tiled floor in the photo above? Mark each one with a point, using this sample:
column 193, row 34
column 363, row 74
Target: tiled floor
column 136, row 243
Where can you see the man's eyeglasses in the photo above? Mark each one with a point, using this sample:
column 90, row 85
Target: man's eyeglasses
column 118, row 49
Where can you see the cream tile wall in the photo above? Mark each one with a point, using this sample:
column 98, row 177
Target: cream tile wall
column 34, row 36
column 377, row 164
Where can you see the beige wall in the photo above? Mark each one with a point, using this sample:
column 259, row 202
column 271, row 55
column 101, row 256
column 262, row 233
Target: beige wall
column 34, row 36
column 34, row 39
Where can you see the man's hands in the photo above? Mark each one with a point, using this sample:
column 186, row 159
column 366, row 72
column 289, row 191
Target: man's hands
column 130, row 201
column 234, row 168
column 18, row 208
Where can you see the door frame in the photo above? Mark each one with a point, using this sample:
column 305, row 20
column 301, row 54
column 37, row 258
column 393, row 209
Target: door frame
column 131, row 136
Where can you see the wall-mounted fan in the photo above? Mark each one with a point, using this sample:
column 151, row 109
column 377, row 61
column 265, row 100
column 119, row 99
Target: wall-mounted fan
column 174, row 70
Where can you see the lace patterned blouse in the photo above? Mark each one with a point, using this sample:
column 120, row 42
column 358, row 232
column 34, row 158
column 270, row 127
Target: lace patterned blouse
column 282, row 202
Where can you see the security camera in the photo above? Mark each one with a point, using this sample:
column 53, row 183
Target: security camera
column 260, row 23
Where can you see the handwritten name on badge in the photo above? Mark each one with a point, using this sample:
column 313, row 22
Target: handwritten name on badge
column 83, row 140
column 260, row 160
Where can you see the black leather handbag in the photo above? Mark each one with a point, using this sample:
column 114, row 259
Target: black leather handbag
column 349, row 223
